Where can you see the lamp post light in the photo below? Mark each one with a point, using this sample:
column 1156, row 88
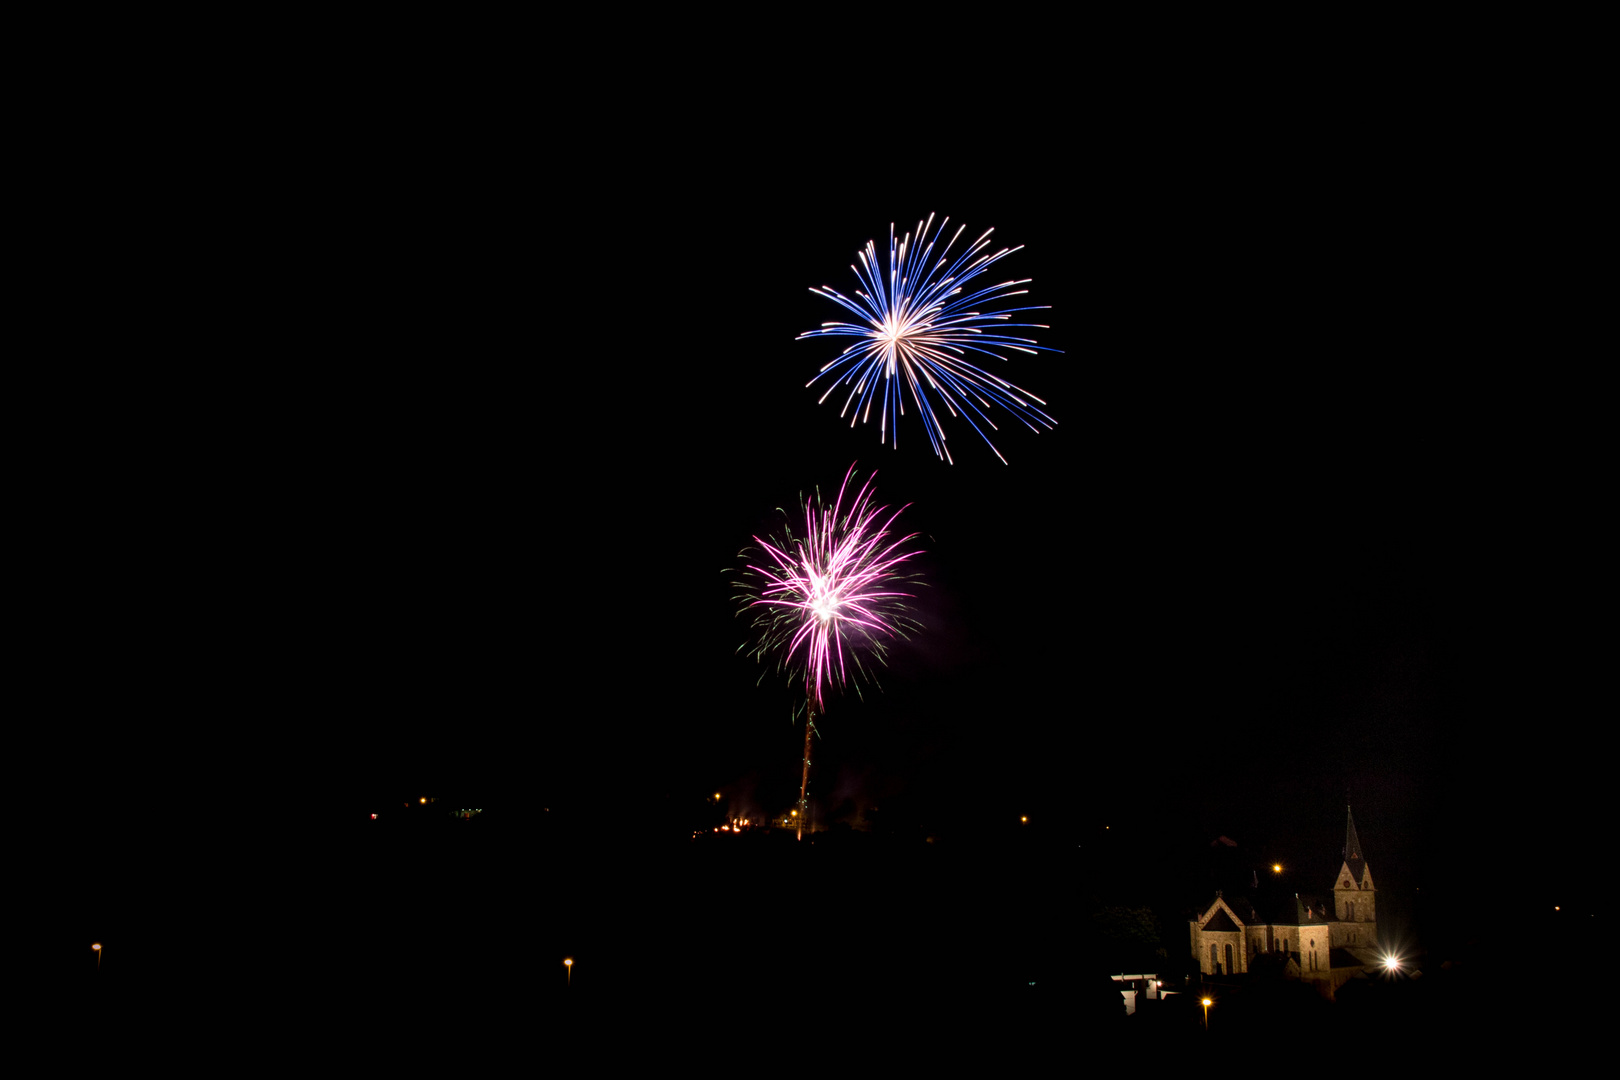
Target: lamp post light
column 97, row 948
column 569, row 964
column 1206, row 1003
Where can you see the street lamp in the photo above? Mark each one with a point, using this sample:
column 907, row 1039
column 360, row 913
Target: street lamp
column 1206, row 1003
column 97, row 947
column 569, row 964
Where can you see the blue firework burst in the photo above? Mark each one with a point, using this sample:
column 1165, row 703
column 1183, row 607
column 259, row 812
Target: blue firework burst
column 922, row 333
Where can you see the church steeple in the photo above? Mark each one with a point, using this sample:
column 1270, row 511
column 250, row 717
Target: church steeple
column 1352, row 846
column 1355, row 900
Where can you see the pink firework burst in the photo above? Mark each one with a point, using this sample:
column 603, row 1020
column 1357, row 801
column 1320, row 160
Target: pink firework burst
column 822, row 601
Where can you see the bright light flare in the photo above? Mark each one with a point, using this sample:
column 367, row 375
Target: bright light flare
column 822, row 601
column 919, row 333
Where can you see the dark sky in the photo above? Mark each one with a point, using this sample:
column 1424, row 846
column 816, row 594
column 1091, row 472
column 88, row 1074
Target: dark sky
column 1303, row 534
column 443, row 492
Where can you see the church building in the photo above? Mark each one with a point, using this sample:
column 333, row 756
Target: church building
column 1325, row 938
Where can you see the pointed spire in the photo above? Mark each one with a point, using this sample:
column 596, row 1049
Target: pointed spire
column 1352, row 849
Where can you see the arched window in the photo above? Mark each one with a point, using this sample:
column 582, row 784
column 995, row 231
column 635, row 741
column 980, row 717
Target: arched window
column 1214, row 960
column 1229, row 967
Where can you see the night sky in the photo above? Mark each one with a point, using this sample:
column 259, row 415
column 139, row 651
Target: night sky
column 444, row 493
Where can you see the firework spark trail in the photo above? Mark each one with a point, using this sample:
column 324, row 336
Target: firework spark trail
column 916, row 327
column 820, row 601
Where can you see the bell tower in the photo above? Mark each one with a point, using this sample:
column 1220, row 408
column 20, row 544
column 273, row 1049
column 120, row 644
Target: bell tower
column 1355, row 902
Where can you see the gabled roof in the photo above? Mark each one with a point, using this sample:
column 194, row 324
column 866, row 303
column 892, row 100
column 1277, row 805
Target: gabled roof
column 1219, row 916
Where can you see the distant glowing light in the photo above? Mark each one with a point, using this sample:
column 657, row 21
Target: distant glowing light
column 96, row 947
column 1276, row 868
column 919, row 328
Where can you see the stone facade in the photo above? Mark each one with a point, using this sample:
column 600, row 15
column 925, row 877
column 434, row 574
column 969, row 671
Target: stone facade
column 1316, row 938
column 1218, row 939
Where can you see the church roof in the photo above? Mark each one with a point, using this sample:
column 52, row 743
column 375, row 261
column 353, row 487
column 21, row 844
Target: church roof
column 1352, row 847
column 1275, row 909
column 1310, row 908
column 1290, row 909
column 1221, row 921
column 1340, row 957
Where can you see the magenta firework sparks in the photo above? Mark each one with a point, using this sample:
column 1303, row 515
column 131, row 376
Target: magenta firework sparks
column 821, row 601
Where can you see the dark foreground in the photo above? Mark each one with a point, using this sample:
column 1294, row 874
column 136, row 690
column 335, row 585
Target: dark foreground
column 849, row 945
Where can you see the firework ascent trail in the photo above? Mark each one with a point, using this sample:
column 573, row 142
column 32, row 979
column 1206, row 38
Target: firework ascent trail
column 819, row 602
